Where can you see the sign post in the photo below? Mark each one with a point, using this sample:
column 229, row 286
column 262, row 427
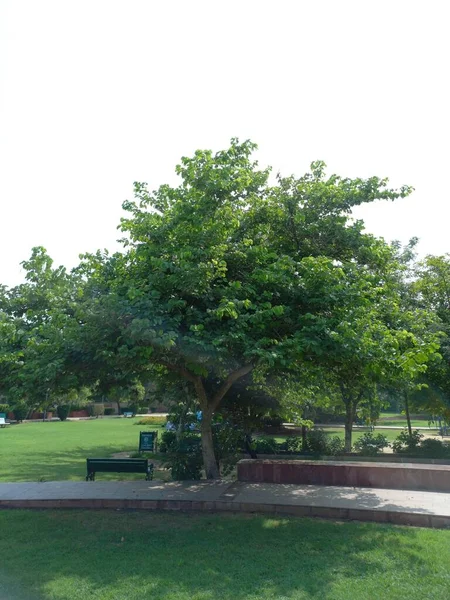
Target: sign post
column 147, row 441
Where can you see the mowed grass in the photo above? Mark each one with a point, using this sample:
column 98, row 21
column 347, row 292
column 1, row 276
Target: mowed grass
column 58, row 450
column 111, row 555
column 399, row 420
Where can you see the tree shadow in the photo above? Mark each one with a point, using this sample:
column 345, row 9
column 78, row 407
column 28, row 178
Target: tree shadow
column 164, row 556
column 68, row 465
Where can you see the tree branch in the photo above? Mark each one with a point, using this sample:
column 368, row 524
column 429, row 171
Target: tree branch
column 179, row 370
column 232, row 377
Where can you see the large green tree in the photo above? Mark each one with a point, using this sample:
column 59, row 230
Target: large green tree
column 226, row 276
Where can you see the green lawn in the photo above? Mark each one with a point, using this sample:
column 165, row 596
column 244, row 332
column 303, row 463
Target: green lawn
column 399, row 420
column 111, row 555
column 58, row 450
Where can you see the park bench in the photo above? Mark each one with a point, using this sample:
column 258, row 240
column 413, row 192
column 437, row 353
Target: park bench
column 118, row 465
column 127, row 415
column 3, row 422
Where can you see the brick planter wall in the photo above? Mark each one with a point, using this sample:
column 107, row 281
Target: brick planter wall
column 402, row 476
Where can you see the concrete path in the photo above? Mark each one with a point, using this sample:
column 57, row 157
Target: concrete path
column 424, row 509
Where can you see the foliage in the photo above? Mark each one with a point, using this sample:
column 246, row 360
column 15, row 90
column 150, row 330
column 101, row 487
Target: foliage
column 184, row 457
column 20, row 410
column 96, row 409
column 294, row 445
column 109, row 411
column 168, row 441
column 4, row 408
column 407, row 443
column 265, row 445
column 62, row 411
column 370, row 444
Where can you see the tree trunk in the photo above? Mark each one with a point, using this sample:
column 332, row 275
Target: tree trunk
column 209, row 458
column 408, row 416
column 350, row 411
column 303, row 436
column 118, row 407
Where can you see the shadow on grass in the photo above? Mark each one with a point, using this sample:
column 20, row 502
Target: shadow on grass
column 64, row 465
column 74, row 554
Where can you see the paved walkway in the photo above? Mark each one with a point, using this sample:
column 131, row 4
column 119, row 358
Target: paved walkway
column 425, row 509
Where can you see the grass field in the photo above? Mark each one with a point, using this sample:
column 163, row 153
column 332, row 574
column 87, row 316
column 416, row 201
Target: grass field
column 111, row 555
column 58, row 450
column 399, row 420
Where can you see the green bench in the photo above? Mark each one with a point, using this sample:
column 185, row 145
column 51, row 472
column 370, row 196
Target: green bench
column 118, row 465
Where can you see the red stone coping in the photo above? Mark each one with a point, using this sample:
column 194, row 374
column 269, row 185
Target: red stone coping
column 395, row 476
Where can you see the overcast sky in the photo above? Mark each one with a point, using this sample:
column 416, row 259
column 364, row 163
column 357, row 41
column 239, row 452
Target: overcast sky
column 97, row 94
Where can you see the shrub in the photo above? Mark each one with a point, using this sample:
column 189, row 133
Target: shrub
column 335, row 446
column 370, row 444
column 142, row 410
column 407, row 443
column 63, row 411
column 109, row 411
column 168, row 441
column 96, row 410
column 20, row 411
column 228, row 445
column 184, row 457
column 316, row 442
column 430, row 448
column 264, row 445
column 4, row 408
column 293, row 444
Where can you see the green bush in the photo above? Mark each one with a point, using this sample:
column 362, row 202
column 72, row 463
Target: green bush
column 63, row 411
column 264, row 445
column 96, row 410
column 405, row 443
column 335, row 446
column 4, row 408
column 228, row 445
column 316, row 442
column 293, row 445
column 168, row 441
column 430, row 448
column 370, row 445
column 184, row 458
column 20, row 411
column 109, row 411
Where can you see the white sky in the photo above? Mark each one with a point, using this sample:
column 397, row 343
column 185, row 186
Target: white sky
column 97, row 94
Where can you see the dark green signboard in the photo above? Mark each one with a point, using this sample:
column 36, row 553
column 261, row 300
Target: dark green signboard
column 147, row 441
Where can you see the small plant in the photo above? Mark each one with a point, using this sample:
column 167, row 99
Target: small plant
column 293, row 445
column 20, row 411
column 63, row 411
column 316, row 442
column 184, row 458
column 430, row 448
column 264, row 445
column 370, row 444
column 335, row 446
column 405, row 443
column 168, row 441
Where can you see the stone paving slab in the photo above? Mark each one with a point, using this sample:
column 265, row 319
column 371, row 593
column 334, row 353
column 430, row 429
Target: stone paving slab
column 425, row 509
column 127, row 490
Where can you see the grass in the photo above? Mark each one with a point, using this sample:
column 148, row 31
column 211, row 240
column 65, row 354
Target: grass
column 104, row 555
column 399, row 420
column 58, row 450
